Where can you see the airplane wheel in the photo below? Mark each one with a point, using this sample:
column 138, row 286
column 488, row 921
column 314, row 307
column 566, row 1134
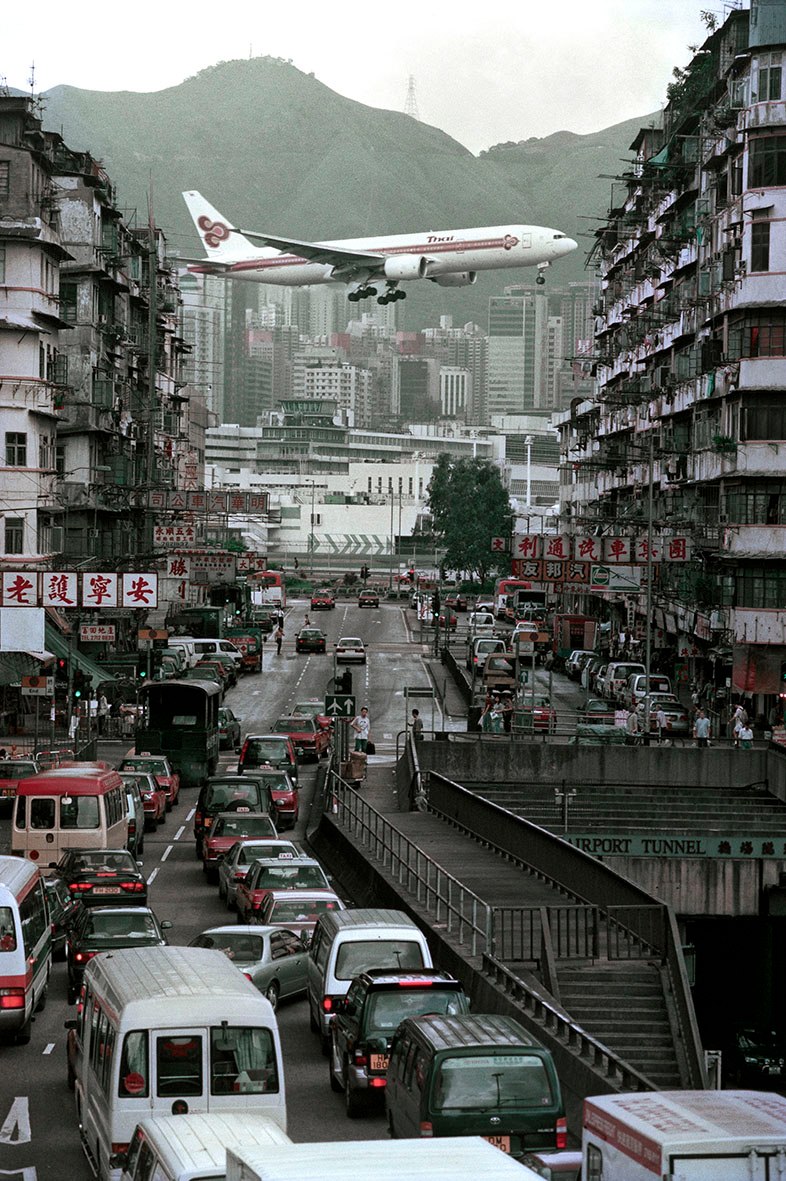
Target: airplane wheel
column 541, row 279
column 382, row 299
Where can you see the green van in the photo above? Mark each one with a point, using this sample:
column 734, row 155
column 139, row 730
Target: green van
column 474, row 1075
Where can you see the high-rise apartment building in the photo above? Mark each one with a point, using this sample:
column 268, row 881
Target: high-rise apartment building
column 517, row 349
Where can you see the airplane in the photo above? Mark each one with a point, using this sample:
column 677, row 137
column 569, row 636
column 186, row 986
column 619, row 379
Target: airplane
column 449, row 258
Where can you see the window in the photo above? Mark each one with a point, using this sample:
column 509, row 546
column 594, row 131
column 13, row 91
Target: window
column 7, row 929
column 42, row 813
column 764, row 418
column 5, row 177
column 767, row 162
column 16, row 449
column 134, row 1081
column 179, row 1065
column 242, row 1060
column 355, row 955
column 79, row 812
column 767, row 78
column 760, row 240
column 32, row 916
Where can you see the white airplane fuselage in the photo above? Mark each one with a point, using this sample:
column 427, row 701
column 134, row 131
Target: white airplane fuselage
column 433, row 253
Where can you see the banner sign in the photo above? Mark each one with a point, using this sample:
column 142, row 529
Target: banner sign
column 21, row 588
column 96, row 633
column 608, row 550
column 170, row 500
column 712, row 846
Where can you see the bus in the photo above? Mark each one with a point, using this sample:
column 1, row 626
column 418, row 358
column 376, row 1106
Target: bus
column 77, row 806
column 516, row 598
column 180, row 720
column 25, row 947
column 267, row 589
column 168, row 1031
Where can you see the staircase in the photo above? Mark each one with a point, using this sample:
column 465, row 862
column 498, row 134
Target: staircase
column 623, row 1006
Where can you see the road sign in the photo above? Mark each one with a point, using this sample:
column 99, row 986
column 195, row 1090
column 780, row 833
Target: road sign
column 339, row 705
column 38, row 686
column 525, row 647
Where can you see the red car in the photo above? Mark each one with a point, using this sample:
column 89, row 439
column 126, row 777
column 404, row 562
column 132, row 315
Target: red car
column 11, row 771
column 537, row 714
column 322, row 600
column 308, row 738
column 155, row 798
column 227, row 829
column 283, row 801
column 159, row 766
column 268, row 873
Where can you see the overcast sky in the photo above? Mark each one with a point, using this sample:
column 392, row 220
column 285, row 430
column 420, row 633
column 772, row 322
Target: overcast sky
column 484, row 72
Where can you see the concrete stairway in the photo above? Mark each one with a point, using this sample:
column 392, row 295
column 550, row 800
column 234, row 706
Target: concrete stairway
column 623, row 1006
column 618, row 809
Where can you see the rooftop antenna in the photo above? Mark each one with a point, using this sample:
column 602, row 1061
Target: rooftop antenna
column 411, row 105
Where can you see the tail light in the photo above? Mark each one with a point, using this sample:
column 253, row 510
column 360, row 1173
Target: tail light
column 426, row 1128
column 80, row 887
column 379, row 1081
column 561, row 1133
column 132, row 887
column 208, row 822
column 12, row 998
column 329, row 1003
column 82, row 957
column 361, row 1060
column 238, row 877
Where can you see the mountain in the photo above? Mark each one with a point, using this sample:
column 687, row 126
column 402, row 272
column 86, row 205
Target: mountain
column 275, row 149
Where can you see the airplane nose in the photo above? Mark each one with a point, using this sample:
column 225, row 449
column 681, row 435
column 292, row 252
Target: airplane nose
column 568, row 245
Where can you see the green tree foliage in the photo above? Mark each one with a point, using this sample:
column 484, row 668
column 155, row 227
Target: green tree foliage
column 469, row 505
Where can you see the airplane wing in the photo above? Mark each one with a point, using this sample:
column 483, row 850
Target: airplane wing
column 336, row 256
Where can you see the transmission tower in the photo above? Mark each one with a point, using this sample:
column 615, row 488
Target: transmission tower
column 411, row 105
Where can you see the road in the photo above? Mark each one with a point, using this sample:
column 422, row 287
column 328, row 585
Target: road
column 38, row 1132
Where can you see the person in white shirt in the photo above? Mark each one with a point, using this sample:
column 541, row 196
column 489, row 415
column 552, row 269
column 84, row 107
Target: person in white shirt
column 660, row 722
column 362, row 727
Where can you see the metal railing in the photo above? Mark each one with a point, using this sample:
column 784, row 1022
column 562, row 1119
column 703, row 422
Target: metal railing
column 458, row 910
column 577, row 932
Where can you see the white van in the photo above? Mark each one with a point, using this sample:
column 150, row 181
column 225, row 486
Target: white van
column 481, row 623
column 347, row 942
column 616, row 678
column 186, row 645
column 636, row 688
column 451, row 1158
column 224, row 649
column 194, row 1147
column 168, row 1031
column 25, row 946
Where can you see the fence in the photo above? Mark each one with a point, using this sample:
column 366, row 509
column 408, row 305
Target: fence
column 577, row 932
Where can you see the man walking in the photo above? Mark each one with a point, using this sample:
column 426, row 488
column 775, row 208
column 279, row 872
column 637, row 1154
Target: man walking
column 417, row 725
column 701, row 728
column 362, row 727
column 660, row 723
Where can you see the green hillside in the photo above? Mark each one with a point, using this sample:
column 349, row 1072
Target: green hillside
column 275, row 149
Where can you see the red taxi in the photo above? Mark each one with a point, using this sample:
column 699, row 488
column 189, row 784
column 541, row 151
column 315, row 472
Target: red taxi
column 308, row 738
column 227, row 829
column 159, row 766
column 282, row 873
column 322, row 600
column 154, row 797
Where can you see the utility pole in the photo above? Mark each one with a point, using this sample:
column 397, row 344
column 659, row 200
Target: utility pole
column 392, row 538
column 152, row 367
column 648, row 601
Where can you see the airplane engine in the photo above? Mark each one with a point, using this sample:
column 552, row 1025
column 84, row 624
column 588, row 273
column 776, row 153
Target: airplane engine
column 460, row 279
column 405, row 266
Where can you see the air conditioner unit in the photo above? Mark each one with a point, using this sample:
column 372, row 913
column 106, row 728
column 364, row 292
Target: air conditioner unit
column 57, row 539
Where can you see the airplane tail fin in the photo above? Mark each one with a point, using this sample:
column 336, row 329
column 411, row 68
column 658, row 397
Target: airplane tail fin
column 218, row 237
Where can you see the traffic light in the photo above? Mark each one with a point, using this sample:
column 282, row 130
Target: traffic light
column 782, row 686
column 364, row 572
column 61, row 671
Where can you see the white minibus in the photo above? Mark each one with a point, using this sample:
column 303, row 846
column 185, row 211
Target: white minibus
column 25, row 946
column 168, row 1031
column 194, row 1147
column 77, row 807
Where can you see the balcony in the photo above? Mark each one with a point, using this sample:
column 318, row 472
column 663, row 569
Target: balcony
column 760, row 115
column 754, row 541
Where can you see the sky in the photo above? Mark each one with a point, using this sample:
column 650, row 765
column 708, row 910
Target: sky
column 484, row 72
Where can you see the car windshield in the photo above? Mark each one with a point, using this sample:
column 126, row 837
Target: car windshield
column 355, row 956
column 10, row 770
column 350, row 642
column 307, row 709
column 489, row 1081
column 310, row 633
column 121, row 925
column 290, row 877
column 247, row 948
column 300, row 910
column 386, row 1010
column 151, row 766
column 240, row 826
column 102, row 860
column 252, row 850
column 263, row 751
column 221, row 795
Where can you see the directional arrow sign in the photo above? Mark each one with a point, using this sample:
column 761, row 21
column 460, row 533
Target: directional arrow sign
column 339, row 705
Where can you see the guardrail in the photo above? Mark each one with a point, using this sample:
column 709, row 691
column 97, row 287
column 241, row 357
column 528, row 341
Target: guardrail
column 463, row 914
column 578, row 932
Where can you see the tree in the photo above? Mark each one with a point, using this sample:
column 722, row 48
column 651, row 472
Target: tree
column 469, row 505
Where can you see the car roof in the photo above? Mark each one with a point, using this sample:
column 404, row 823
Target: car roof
column 384, row 977
column 313, row 895
column 350, row 640
column 279, row 861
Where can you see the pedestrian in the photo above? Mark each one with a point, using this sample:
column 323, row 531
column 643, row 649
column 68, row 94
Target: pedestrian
column 362, row 726
column 280, row 618
column 73, row 724
column 660, row 723
column 632, row 729
column 621, row 717
column 417, row 725
column 507, row 712
column 738, row 719
column 701, row 728
column 307, row 622
column 279, row 638
column 103, row 713
column 496, row 717
column 485, row 717
column 746, row 736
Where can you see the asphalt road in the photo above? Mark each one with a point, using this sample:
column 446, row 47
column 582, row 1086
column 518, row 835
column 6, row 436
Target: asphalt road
column 38, row 1133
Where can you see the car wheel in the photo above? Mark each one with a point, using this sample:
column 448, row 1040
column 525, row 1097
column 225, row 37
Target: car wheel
column 70, row 1076
column 162, row 817
column 271, row 992
column 168, row 806
column 42, row 999
column 312, row 1021
column 354, row 1105
column 326, row 1041
column 222, row 894
column 391, row 1129
column 24, row 1034
column 212, row 875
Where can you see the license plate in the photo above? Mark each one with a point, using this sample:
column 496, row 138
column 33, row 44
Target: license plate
column 500, row 1142
column 379, row 1061
column 9, row 791
column 106, row 890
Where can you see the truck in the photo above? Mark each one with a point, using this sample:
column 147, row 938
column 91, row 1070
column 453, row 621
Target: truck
column 201, row 621
column 684, row 1135
column 571, row 632
column 250, row 640
column 448, row 1158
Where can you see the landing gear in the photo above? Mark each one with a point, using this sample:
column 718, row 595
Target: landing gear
column 361, row 293
column 391, row 295
column 541, row 279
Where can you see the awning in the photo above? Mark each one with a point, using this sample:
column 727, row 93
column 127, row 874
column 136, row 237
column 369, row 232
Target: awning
column 14, row 665
column 64, row 651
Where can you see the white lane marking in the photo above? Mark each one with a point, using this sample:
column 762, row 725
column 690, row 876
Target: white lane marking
column 166, row 852
column 179, row 832
column 152, row 877
column 17, row 1120
column 48, row 1048
column 190, row 815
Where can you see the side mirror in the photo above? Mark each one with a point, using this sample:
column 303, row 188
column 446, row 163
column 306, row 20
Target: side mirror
column 52, row 865
column 140, row 864
column 71, row 1023
column 165, row 925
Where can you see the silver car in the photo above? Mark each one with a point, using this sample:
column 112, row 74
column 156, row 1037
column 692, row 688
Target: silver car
column 272, row 958
column 234, row 867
